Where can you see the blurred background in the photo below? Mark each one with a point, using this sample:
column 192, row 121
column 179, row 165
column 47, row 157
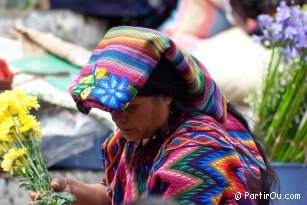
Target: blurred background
column 44, row 43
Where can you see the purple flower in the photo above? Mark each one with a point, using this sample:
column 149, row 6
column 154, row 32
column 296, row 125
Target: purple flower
column 276, row 31
column 301, row 38
column 276, row 28
column 266, row 40
column 290, row 32
column 303, row 16
column 264, row 21
column 283, row 13
column 260, row 39
column 282, row 5
column 296, row 18
column 286, row 30
column 289, row 53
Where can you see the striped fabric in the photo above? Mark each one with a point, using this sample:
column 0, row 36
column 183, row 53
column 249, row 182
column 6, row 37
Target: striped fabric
column 122, row 62
column 206, row 159
column 202, row 162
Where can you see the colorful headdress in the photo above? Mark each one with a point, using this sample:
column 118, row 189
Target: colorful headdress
column 122, row 62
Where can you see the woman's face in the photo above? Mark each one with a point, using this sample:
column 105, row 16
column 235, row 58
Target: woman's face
column 143, row 117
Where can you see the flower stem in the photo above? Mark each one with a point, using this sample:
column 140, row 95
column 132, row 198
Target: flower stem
column 42, row 165
column 267, row 99
column 37, row 175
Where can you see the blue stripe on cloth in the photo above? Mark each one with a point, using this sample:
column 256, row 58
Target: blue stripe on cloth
column 124, row 59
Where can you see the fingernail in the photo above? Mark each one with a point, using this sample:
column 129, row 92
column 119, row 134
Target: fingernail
column 55, row 183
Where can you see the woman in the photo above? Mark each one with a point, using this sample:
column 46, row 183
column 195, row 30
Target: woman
column 177, row 137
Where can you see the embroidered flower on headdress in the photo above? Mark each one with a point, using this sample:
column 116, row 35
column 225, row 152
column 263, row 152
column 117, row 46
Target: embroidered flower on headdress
column 100, row 72
column 112, row 92
column 85, row 86
column 87, row 79
column 87, row 83
column 86, row 92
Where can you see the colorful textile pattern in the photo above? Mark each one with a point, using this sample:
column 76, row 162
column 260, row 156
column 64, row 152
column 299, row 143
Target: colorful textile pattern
column 202, row 162
column 122, row 62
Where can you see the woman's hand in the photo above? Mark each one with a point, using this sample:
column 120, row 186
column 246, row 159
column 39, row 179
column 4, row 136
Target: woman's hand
column 94, row 194
column 61, row 184
column 58, row 184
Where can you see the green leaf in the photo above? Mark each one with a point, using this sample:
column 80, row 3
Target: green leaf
column 56, row 198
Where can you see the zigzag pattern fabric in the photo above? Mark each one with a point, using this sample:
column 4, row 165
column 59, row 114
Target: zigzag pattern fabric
column 202, row 162
column 206, row 160
column 122, row 62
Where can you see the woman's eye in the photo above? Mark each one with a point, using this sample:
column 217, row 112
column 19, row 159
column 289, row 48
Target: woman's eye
column 131, row 108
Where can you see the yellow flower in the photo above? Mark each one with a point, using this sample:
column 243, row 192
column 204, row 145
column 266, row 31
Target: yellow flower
column 5, row 129
column 85, row 93
column 4, row 114
column 16, row 102
column 86, row 79
column 5, row 138
column 26, row 100
column 19, row 166
column 29, row 123
column 12, row 102
column 4, row 146
column 3, row 109
column 100, row 73
column 10, row 157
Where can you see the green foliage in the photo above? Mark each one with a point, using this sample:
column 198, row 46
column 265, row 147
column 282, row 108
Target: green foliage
column 281, row 106
column 281, row 109
column 19, row 149
column 55, row 198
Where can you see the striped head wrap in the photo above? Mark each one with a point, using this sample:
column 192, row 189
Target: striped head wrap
column 122, row 62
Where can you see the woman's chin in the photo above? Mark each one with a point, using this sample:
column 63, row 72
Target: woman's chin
column 132, row 138
column 130, row 135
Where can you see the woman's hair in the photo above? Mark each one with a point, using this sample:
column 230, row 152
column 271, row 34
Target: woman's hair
column 269, row 179
column 164, row 80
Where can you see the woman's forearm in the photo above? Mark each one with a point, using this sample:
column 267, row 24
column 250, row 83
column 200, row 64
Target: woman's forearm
column 94, row 194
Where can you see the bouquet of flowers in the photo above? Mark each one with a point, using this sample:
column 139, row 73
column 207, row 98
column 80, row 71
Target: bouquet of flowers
column 281, row 106
column 20, row 155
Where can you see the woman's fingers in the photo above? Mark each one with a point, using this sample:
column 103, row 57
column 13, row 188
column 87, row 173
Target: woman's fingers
column 55, row 183
column 33, row 195
column 59, row 183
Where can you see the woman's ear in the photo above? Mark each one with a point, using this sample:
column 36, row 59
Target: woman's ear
column 167, row 100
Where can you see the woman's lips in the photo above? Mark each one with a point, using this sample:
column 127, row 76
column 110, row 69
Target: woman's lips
column 126, row 131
